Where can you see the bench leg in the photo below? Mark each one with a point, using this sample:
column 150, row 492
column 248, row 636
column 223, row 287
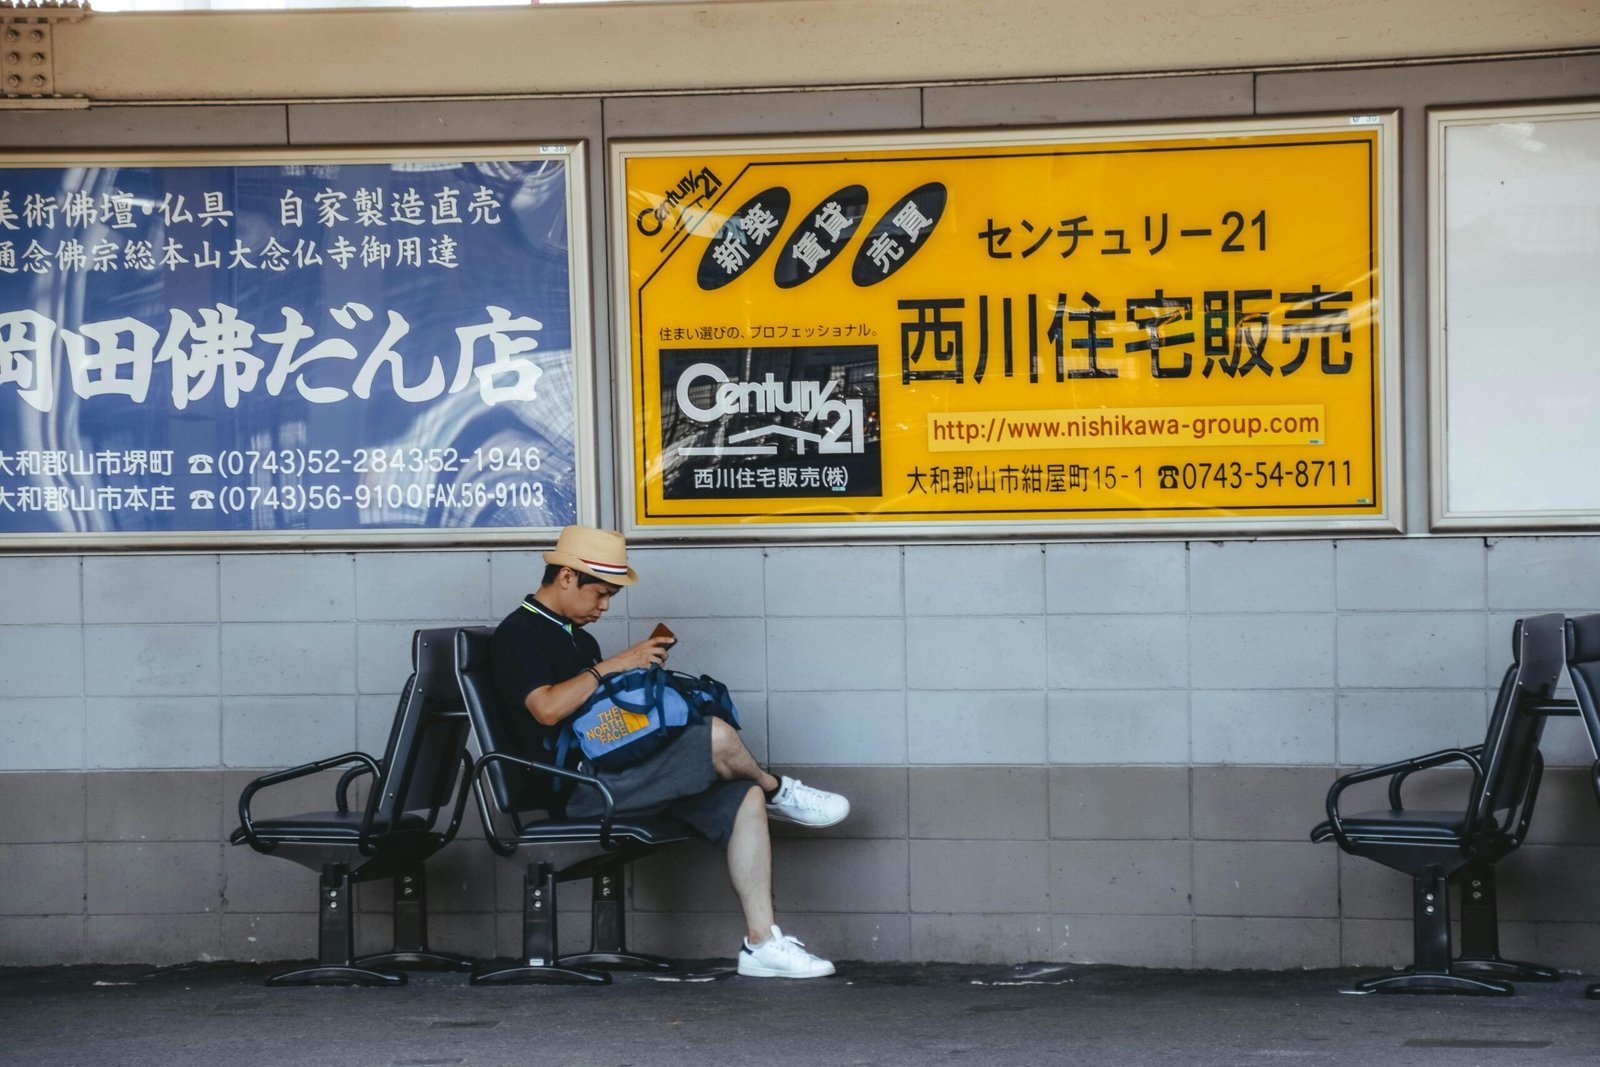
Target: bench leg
column 411, row 949
column 539, row 962
column 1430, row 925
column 608, row 936
column 1480, row 932
column 336, row 944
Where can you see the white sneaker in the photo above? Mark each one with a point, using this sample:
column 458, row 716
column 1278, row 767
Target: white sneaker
column 797, row 802
column 781, row 956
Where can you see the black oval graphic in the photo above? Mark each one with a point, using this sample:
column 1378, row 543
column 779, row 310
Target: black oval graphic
column 817, row 241
column 748, row 232
column 903, row 229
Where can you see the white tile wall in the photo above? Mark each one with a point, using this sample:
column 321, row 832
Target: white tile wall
column 1135, row 653
column 149, row 589
column 1104, row 578
column 1109, row 726
column 693, row 582
column 1412, row 574
column 976, row 727
column 1271, row 726
column 1379, row 726
column 277, row 588
column 975, row 652
column 37, row 591
column 290, row 657
column 1265, row 651
column 1533, row 574
column 151, row 660
column 832, row 583
column 966, row 580
column 1266, row 576
column 42, row 661
column 443, row 586
column 836, row 727
column 1117, row 652
column 127, row 732
column 41, row 733
column 1406, row 650
column 261, row 731
column 831, row 654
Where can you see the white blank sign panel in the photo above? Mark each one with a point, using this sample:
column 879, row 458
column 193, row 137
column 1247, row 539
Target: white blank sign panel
column 1515, row 274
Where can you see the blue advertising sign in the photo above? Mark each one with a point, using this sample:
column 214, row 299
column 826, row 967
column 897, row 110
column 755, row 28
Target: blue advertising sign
column 323, row 348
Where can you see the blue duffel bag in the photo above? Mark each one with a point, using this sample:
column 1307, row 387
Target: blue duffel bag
column 633, row 714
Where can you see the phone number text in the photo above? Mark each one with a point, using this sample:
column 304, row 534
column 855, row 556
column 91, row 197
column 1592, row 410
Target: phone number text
column 231, row 499
column 298, row 462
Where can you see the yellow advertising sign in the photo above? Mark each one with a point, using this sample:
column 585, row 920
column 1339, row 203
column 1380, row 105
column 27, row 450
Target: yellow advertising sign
column 1129, row 328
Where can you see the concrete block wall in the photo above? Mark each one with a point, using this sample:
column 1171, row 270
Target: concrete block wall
column 1068, row 751
column 1062, row 750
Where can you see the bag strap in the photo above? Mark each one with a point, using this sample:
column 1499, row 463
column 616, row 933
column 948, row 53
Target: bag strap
column 705, row 695
column 564, row 741
column 610, row 685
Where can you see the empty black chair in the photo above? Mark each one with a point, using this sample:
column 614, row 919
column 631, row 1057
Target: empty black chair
column 1583, row 666
column 1437, row 846
column 519, row 790
column 424, row 772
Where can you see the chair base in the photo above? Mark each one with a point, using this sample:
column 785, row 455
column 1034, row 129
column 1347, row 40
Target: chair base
column 417, row 960
column 1480, row 931
column 607, row 942
column 495, row 974
column 1457, row 984
column 409, row 950
column 1516, row 970
column 337, row 974
column 620, row 961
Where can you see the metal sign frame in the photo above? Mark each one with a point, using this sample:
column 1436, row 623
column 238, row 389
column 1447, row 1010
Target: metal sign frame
column 630, row 407
column 1529, row 227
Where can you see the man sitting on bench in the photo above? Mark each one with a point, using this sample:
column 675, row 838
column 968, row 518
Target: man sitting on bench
column 546, row 666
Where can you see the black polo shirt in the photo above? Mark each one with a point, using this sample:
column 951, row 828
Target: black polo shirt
column 534, row 647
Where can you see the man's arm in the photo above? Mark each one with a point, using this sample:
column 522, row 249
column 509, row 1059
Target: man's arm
column 549, row 704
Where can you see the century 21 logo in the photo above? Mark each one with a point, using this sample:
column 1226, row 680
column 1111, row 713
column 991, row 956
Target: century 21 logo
column 838, row 422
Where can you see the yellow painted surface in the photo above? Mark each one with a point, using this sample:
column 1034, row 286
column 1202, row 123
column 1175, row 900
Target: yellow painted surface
column 1123, row 328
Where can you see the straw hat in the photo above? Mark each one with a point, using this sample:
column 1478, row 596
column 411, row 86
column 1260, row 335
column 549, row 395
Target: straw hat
column 600, row 553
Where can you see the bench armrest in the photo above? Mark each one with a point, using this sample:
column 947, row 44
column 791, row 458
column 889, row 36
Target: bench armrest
column 341, row 792
column 508, row 848
column 1400, row 776
column 1398, row 770
column 279, row 777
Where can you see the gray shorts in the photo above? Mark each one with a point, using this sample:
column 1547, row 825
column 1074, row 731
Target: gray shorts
column 679, row 781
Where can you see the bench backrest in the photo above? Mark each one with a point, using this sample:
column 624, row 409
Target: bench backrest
column 512, row 789
column 1583, row 666
column 1511, row 761
column 426, row 742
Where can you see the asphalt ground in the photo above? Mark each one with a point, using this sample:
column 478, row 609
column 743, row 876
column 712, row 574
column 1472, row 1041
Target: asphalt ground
column 869, row 1014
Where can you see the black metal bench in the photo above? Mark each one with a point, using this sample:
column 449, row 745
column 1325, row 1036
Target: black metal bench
column 513, row 790
column 1437, row 847
column 1583, row 666
column 424, row 772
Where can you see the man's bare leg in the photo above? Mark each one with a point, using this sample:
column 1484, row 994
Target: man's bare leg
column 750, row 864
column 732, row 760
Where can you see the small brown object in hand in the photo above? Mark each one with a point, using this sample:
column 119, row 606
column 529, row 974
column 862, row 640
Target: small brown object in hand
column 662, row 630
